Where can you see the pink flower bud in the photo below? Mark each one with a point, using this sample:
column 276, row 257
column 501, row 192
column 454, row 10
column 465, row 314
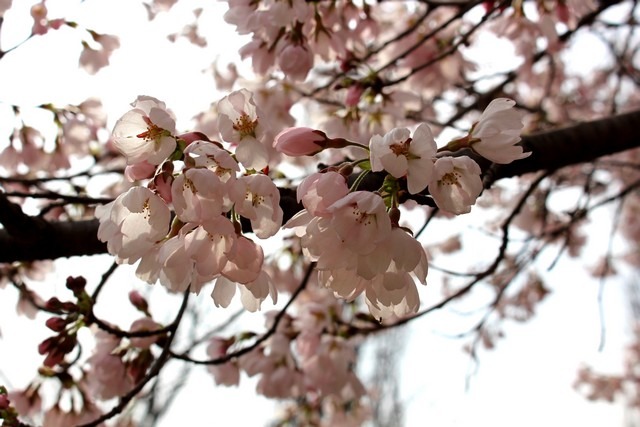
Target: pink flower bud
column 301, row 141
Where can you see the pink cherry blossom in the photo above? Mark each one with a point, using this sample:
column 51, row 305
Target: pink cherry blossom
column 208, row 245
column 318, row 191
column 252, row 294
column 239, row 123
column 392, row 294
column 95, row 59
column 244, row 262
column 257, row 198
column 177, row 267
column 204, row 154
column 361, row 220
column 227, row 373
column 146, row 132
column 456, row 184
column 107, row 375
column 198, row 194
column 494, row 136
column 133, row 223
column 144, row 324
column 295, row 60
column 401, row 155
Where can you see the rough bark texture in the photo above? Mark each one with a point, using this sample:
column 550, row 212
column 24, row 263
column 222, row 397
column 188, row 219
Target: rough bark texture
column 26, row 238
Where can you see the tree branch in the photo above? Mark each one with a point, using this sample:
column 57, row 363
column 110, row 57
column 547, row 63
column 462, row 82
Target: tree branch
column 551, row 150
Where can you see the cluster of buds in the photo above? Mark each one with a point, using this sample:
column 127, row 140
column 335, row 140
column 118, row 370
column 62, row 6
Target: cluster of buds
column 66, row 324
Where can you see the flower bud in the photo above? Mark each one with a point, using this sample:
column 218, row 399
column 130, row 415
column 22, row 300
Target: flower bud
column 300, row 141
column 56, row 324
column 76, row 284
column 138, row 301
column 45, row 346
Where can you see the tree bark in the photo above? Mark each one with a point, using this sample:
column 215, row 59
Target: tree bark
column 551, row 150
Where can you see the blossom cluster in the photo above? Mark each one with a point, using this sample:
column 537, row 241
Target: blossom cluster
column 355, row 237
column 184, row 225
column 310, row 358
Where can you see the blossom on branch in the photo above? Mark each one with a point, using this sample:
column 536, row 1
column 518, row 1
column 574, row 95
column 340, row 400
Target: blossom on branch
column 497, row 132
column 133, row 223
column 146, row 132
column 257, row 198
column 239, row 123
column 456, row 184
column 401, row 155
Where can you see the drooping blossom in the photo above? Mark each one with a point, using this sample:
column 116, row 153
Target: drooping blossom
column 198, row 194
column 402, row 155
column 456, row 184
column 133, row 223
column 144, row 324
column 318, row 191
column 244, row 261
column 208, row 245
column 257, row 198
column 146, row 132
column 252, row 293
column 295, row 60
column 107, row 374
column 497, row 132
column 226, row 373
column 204, row 154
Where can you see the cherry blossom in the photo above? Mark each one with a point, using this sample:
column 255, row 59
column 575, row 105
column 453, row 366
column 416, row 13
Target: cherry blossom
column 133, row 223
column 204, row 154
column 239, row 123
column 244, row 261
column 402, row 156
column 497, row 131
column 107, row 376
column 257, row 198
column 227, row 373
column 208, row 246
column 198, row 194
column 295, row 60
column 456, row 184
column 318, row 191
column 146, row 132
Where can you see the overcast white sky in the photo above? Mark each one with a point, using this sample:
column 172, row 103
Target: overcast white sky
column 526, row 381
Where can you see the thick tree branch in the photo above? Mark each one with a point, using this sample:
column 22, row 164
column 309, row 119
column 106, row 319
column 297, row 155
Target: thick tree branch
column 551, row 150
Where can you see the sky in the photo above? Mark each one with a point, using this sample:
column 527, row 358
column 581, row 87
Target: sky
column 526, row 381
